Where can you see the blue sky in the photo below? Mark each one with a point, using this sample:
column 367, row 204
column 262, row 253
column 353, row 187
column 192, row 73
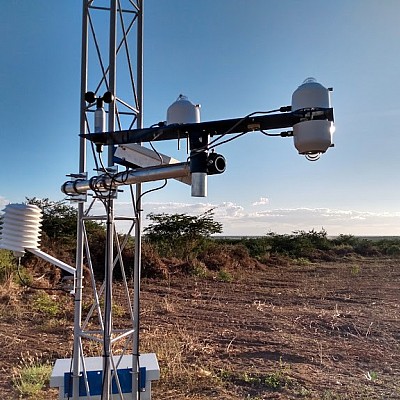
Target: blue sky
column 233, row 57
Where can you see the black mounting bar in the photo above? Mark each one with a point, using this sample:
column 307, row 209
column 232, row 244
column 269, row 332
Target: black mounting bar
column 211, row 128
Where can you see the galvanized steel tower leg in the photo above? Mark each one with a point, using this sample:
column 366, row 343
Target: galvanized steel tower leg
column 138, row 233
column 76, row 370
column 109, row 259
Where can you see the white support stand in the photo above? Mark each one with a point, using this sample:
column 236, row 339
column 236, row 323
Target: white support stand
column 52, row 260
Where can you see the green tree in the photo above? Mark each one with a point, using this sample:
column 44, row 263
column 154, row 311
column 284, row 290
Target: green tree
column 59, row 219
column 181, row 235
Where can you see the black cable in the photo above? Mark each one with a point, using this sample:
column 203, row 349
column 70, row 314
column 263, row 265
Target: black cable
column 159, row 124
column 125, row 174
column 24, row 283
column 213, row 143
column 158, row 154
column 136, row 203
column 270, row 134
column 106, row 353
column 98, row 193
column 240, row 121
column 227, row 140
column 133, row 201
column 113, row 178
column 103, row 166
column 147, row 192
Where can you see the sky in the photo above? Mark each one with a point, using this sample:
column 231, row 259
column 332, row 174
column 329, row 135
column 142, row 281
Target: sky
column 233, row 57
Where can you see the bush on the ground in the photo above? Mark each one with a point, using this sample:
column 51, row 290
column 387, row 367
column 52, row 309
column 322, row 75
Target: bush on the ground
column 366, row 248
column 389, row 247
column 299, row 244
column 181, row 235
column 153, row 266
column 257, row 247
column 226, row 256
column 7, row 265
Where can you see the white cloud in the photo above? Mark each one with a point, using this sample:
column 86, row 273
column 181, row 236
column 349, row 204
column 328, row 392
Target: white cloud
column 333, row 221
column 3, row 202
column 222, row 210
column 261, row 202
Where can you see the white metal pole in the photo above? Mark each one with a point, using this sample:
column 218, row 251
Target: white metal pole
column 76, row 372
column 109, row 258
column 138, row 208
column 107, row 353
column 104, row 182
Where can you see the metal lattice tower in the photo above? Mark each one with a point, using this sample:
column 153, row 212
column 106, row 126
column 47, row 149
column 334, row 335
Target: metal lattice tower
column 112, row 59
column 110, row 74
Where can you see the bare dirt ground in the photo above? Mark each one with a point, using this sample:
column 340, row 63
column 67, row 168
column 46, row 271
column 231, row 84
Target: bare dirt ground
column 313, row 331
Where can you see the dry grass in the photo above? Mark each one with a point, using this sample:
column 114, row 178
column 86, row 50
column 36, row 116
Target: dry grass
column 185, row 363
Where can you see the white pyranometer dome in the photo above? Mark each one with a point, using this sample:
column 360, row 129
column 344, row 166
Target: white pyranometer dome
column 183, row 111
column 311, row 137
column 21, row 228
column 310, row 94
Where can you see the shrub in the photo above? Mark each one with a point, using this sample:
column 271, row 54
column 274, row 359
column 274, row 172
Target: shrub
column 225, row 276
column 393, row 250
column 6, row 265
column 366, row 247
column 345, row 240
column 257, row 247
column 46, row 305
column 389, row 247
column 226, row 257
column 152, row 265
column 299, row 244
column 181, row 235
column 343, row 250
column 31, row 375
